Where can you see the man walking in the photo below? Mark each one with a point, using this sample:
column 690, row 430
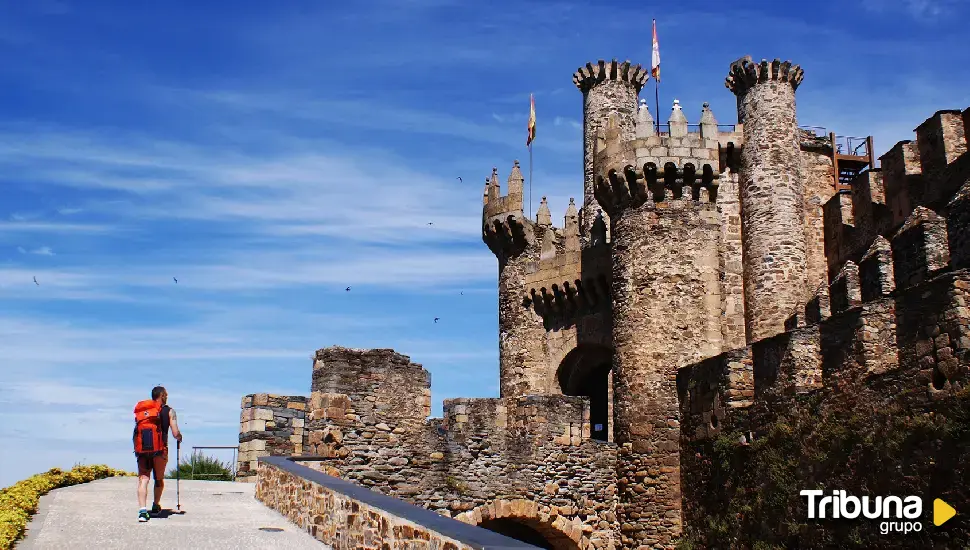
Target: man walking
column 153, row 419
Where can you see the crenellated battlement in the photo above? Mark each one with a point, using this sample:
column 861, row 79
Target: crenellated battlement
column 629, row 187
column 496, row 205
column 676, row 141
column 745, row 73
column 927, row 171
column 564, row 302
column 880, row 315
column 585, row 78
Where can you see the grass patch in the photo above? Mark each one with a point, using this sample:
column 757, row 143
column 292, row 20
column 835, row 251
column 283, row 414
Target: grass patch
column 202, row 467
column 19, row 501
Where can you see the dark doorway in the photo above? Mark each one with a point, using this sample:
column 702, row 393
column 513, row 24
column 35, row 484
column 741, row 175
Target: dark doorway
column 517, row 531
column 586, row 371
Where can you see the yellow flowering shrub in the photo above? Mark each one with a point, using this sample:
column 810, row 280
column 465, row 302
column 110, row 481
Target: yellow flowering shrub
column 19, row 501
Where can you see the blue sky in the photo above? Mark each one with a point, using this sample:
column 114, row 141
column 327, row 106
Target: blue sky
column 269, row 155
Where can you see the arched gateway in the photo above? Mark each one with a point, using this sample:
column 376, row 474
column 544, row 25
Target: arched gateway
column 526, row 521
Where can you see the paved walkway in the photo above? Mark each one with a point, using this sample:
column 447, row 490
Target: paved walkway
column 103, row 514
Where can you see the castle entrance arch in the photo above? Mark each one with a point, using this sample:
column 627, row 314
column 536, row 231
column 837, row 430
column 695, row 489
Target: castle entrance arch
column 521, row 520
column 587, row 371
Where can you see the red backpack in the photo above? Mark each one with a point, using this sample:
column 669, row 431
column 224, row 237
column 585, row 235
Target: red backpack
column 148, row 427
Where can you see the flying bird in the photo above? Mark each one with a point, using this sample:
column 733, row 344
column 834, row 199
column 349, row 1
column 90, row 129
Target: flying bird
column 462, row 292
column 35, row 281
column 430, row 223
column 176, row 280
column 435, row 319
column 348, row 289
column 459, row 178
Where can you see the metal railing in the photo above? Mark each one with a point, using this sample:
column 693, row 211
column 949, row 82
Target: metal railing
column 851, row 145
column 235, row 451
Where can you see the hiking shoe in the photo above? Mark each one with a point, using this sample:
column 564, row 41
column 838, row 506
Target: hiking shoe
column 156, row 509
column 143, row 516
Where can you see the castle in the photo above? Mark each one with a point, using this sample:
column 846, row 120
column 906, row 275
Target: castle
column 735, row 314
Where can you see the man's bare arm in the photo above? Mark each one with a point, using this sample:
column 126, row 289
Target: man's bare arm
column 175, row 425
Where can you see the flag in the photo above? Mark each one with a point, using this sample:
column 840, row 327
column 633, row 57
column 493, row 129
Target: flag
column 655, row 70
column 532, row 120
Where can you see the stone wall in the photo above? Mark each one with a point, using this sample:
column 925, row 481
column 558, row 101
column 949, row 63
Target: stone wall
column 927, row 172
column 348, row 517
column 818, row 187
column 269, row 425
column 365, row 426
column 872, row 400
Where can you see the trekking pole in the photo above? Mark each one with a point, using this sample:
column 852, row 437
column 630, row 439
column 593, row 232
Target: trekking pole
column 178, row 477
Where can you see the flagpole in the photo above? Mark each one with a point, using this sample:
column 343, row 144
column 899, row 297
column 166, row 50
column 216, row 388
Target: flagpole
column 530, row 181
column 655, row 72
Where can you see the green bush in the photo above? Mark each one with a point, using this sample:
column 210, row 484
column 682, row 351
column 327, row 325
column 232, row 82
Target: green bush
column 205, row 468
column 19, row 501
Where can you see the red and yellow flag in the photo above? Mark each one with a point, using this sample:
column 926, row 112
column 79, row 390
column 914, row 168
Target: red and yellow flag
column 532, row 120
column 655, row 70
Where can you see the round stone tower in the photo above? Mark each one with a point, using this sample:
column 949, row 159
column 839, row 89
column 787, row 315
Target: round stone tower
column 664, row 279
column 773, row 245
column 608, row 88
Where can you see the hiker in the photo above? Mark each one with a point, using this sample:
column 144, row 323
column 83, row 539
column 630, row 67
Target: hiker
column 153, row 418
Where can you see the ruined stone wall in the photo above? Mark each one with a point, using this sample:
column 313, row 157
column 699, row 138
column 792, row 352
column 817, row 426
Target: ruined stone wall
column 269, row 425
column 872, row 400
column 609, row 88
column 535, row 448
column 772, row 201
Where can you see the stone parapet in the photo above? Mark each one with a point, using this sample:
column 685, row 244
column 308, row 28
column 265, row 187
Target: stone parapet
column 348, row 517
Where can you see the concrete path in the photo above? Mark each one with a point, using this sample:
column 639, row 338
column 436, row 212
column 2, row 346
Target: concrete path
column 103, row 514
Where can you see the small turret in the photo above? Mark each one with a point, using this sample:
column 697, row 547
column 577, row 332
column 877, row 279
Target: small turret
column 677, row 121
column 543, row 216
column 708, row 122
column 645, row 122
column 515, row 183
column 492, row 189
column 571, row 226
column 505, row 229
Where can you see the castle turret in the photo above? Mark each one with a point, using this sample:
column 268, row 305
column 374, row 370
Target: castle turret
column 513, row 239
column 774, row 256
column 666, row 314
column 608, row 88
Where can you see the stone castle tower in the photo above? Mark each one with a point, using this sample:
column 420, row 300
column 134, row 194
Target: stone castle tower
column 716, row 279
column 652, row 274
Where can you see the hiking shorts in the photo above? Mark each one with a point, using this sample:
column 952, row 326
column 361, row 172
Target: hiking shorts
column 149, row 464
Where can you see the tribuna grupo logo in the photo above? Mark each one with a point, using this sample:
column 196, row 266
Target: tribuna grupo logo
column 897, row 513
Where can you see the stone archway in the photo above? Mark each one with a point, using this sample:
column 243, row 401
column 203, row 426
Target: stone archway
column 526, row 521
column 587, row 371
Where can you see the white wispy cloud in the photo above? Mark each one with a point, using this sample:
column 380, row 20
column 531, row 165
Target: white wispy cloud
column 919, row 9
